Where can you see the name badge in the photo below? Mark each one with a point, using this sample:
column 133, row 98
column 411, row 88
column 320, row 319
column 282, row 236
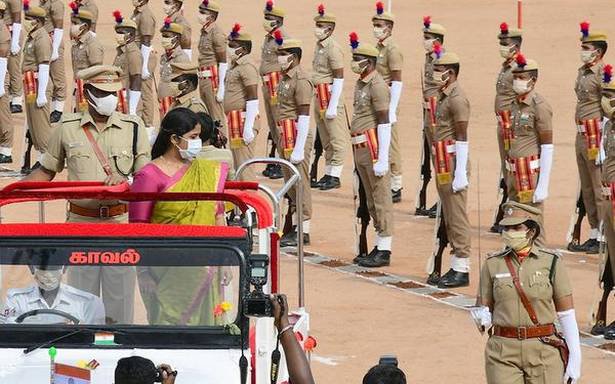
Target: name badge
column 502, row 275
column 75, row 145
column 524, row 119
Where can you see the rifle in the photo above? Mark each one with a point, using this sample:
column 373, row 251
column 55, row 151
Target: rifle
column 574, row 230
column 502, row 198
column 425, row 170
column 607, row 287
column 317, row 154
column 434, row 265
column 27, row 153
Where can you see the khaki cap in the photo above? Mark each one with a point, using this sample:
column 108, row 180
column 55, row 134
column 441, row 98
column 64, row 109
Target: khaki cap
column 210, row 5
column 367, row 50
column 524, row 65
column 184, row 68
column 381, row 14
column 237, row 35
column 289, row 44
column 593, row 36
column 82, row 14
column 324, row 17
column 104, row 77
column 433, row 28
column 168, row 26
column 33, row 11
column 506, row 32
column 272, row 10
column 447, row 58
column 517, row 213
column 121, row 22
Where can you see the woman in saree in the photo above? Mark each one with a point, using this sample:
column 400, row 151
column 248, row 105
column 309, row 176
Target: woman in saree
column 179, row 295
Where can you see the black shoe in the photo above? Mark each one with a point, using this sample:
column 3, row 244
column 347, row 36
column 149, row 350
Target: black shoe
column 267, row 171
column 276, row 172
column 396, row 196
column 290, row 239
column 377, row 259
column 421, row 212
column 609, row 332
column 25, row 170
column 454, row 280
column 55, row 117
column 4, row 159
column 598, row 328
column 433, row 211
column 591, row 245
column 496, row 228
column 316, row 184
column 360, row 258
column 434, row 278
column 331, row 183
column 16, row 108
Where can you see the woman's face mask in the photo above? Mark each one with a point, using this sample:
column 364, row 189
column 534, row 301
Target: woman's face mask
column 507, row 51
column 521, row 87
column 359, row 66
column 75, row 30
column 232, row 54
column 193, row 147
column 321, row 33
column 516, row 240
column 48, row 280
column 588, row 56
column 120, row 38
column 428, row 44
column 168, row 43
column 441, row 77
column 285, row 61
column 105, row 106
column 205, row 18
column 380, row 33
column 269, row 25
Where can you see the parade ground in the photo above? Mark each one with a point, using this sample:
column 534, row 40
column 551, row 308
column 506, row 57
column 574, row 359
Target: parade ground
column 354, row 317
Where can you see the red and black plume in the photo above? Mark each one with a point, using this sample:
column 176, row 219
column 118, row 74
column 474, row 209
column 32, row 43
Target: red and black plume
column 167, row 22
column 427, row 21
column 279, row 39
column 585, row 28
column 380, row 8
column 206, row 3
column 504, row 29
column 269, row 6
column 321, row 9
column 75, row 7
column 608, row 73
column 26, row 5
column 354, row 40
column 521, row 61
column 437, row 49
column 235, row 31
column 117, row 15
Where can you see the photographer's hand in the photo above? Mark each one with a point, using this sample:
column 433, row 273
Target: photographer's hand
column 280, row 311
column 167, row 374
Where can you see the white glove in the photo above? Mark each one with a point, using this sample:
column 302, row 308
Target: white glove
column 93, row 33
column 336, row 92
column 481, row 317
column 188, row 52
column 396, row 87
column 145, row 52
column 303, row 127
column 381, row 167
column 133, row 101
column 15, row 48
column 570, row 329
column 4, row 63
column 222, row 68
column 43, row 80
column 601, row 153
column 460, row 181
column 546, row 162
column 248, row 127
column 56, row 41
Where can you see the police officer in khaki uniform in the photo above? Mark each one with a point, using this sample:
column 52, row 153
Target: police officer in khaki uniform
column 517, row 351
column 296, row 137
column 588, row 117
column 128, row 58
column 86, row 51
column 449, row 139
column 271, row 74
column 54, row 25
column 6, row 121
column 183, row 87
column 371, row 140
column 90, row 6
column 174, row 10
column 146, row 28
column 530, row 157
column 241, row 99
column 12, row 19
column 173, row 53
column 123, row 148
column 390, row 64
column 213, row 64
column 328, row 78
column 35, row 68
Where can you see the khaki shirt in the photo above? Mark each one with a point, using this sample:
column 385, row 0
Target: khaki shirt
column 430, row 88
column 86, row 52
column 37, row 50
column 129, row 59
column 371, row 94
column 608, row 167
column 90, row 6
column 530, row 116
column 295, row 89
column 186, row 38
column 390, row 59
column 496, row 286
column 241, row 74
column 177, row 55
column 69, row 144
column 504, row 93
column 328, row 56
column 453, row 107
column 146, row 22
column 192, row 101
column 55, row 12
column 269, row 54
column 223, row 155
column 212, row 40
column 589, row 92
column 12, row 6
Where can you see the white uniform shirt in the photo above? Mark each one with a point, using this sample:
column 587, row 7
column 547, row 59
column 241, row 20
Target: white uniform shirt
column 86, row 307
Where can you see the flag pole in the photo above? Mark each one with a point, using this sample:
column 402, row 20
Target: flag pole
column 520, row 14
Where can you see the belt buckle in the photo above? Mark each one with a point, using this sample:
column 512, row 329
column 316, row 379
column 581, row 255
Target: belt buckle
column 104, row 212
column 521, row 333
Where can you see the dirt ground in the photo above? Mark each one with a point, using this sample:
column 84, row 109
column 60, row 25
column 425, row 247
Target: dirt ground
column 356, row 321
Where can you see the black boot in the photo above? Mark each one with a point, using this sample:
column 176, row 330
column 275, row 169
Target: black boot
column 55, row 117
column 331, row 183
column 364, row 256
column 16, row 108
column 598, row 328
column 377, row 259
column 434, row 278
column 454, row 279
column 290, row 239
column 4, row 159
column 609, row 332
column 396, row 195
column 590, row 246
column 276, row 172
column 317, row 184
column 267, row 171
column 433, row 211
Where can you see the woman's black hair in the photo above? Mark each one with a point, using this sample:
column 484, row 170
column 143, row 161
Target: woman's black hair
column 532, row 225
column 210, row 131
column 178, row 122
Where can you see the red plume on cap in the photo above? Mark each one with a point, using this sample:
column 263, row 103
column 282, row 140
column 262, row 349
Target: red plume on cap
column 585, row 28
column 354, row 40
column 427, row 21
column 205, row 3
column 520, row 60
column 321, row 9
column 269, row 6
column 608, row 73
column 380, row 7
column 437, row 49
column 504, row 28
column 118, row 16
column 279, row 39
column 167, row 22
column 235, row 31
column 75, row 7
column 26, row 5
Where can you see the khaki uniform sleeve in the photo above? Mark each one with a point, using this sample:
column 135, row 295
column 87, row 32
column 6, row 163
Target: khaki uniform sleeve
column 460, row 109
column 303, row 92
column 42, row 50
column 336, row 58
column 249, row 75
column 544, row 117
column 395, row 59
column 14, row 6
column 219, row 42
column 186, row 38
column 143, row 155
column 96, row 53
column 57, row 12
column 486, row 283
column 135, row 61
column 147, row 24
column 53, row 159
column 380, row 96
column 561, row 282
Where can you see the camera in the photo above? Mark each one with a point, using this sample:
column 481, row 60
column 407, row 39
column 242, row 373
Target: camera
column 159, row 372
column 390, row 360
column 257, row 303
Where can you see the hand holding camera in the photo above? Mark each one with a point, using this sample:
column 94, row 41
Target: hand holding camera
column 166, row 374
column 280, row 311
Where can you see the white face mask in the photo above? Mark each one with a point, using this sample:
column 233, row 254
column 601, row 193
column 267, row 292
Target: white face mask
column 269, row 25
column 75, row 30
column 120, row 38
column 321, row 33
column 168, row 43
column 588, row 56
column 440, row 77
column 192, row 150
column 607, row 106
column 507, row 51
column 521, row 87
column 205, row 18
column 285, row 61
column 48, row 280
column 516, row 240
column 231, row 54
column 428, row 44
column 357, row 66
column 30, row 25
column 168, row 9
column 380, row 33
column 105, row 106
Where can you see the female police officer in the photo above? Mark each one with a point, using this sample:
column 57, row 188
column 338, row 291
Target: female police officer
column 524, row 288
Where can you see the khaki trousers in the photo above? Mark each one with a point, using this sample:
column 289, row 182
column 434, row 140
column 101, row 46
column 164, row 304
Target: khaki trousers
column 58, row 76
column 512, row 361
column 591, row 185
column 148, row 105
column 334, row 136
column 116, row 283
column 245, row 153
column 395, row 155
column 216, row 111
column 377, row 191
column 513, row 195
column 37, row 120
column 15, row 77
column 272, row 117
column 304, row 171
column 6, row 122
